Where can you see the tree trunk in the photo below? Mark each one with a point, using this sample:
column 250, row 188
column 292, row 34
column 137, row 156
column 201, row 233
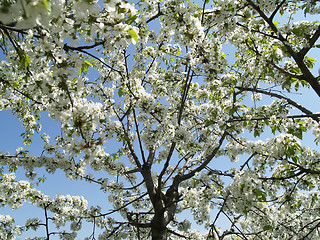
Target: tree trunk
column 159, row 226
column 158, row 232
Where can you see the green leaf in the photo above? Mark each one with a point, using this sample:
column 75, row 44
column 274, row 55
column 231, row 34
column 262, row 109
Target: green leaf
column 125, row 139
column 208, row 122
column 309, row 61
column 120, row 92
column 121, row 10
column 261, row 196
column 47, row 5
column 131, row 19
column 268, row 227
column 88, row 63
column 41, row 179
column 295, row 70
column 232, row 110
column 256, row 133
column 25, row 61
column 295, row 159
column 133, row 35
column 84, row 67
column 27, row 138
column 297, row 31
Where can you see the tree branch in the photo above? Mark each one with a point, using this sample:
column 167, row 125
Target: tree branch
column 277, row 9
column 308, row 76
column 122, row 207
column 272, row 94
column 205, row 162
column 139, row 138
column 311, row 42
column 159, row 13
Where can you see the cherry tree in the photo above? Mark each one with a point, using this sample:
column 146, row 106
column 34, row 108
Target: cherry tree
column 154, row 111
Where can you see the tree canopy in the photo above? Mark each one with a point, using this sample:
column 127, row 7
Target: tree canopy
column 183, row 113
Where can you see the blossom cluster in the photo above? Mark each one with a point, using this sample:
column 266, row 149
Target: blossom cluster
column 153, row 108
